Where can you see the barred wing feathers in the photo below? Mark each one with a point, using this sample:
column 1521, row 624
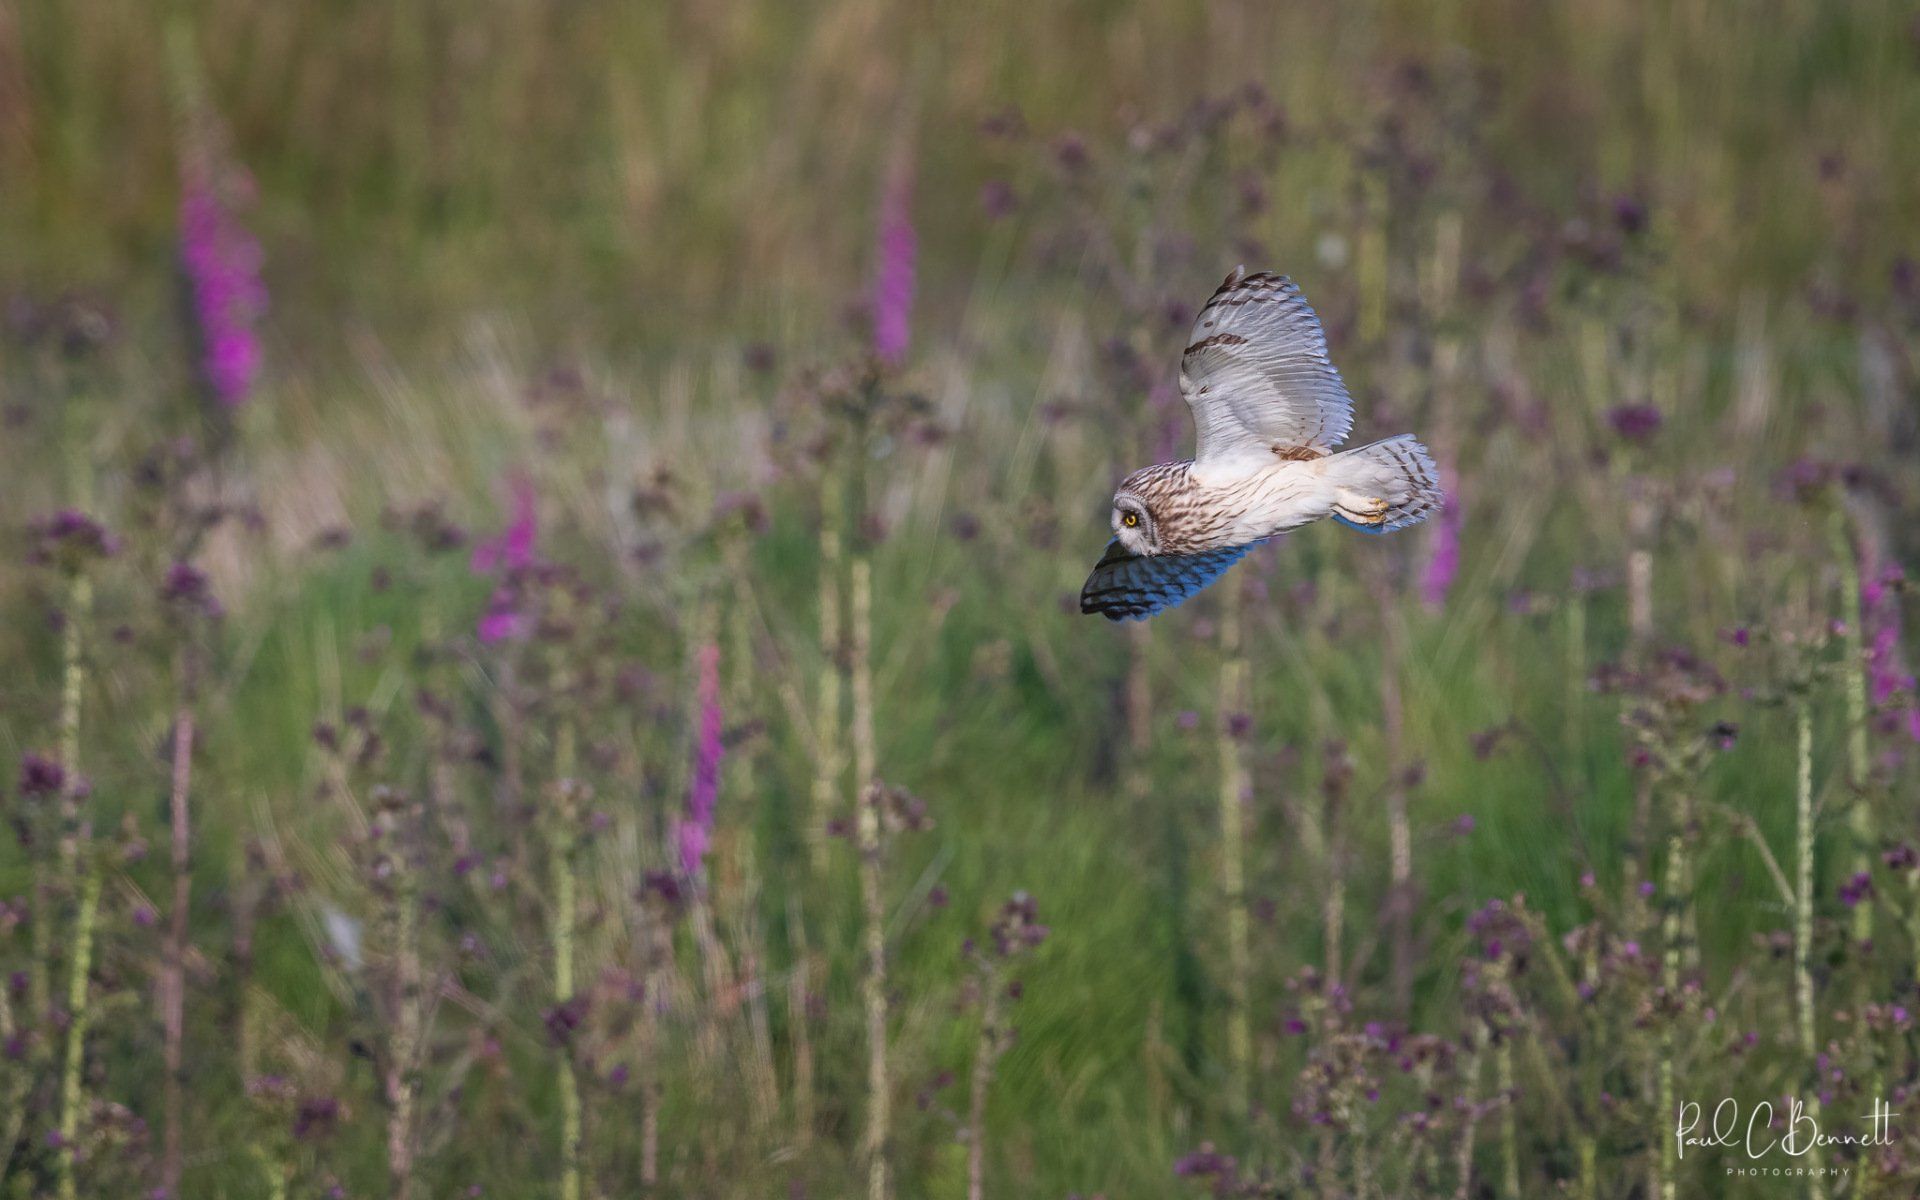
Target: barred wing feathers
column 1257, row 376
column 1126, row 586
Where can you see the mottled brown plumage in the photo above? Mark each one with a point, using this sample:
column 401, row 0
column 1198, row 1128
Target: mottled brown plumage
column 1268, row 409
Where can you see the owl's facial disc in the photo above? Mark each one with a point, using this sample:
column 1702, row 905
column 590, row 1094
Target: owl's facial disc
column 1133, row 525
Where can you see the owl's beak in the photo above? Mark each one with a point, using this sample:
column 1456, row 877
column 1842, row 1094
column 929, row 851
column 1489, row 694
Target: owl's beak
column 1115, row 553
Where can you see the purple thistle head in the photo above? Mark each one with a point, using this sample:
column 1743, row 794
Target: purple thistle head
column 40, row 775
column 1629, row 213
column 221, row 260
column 1635, row 422
column 70, row 539
column 1856, row 889
column 695, row 832
column 187, row 586
column 893, row 276
column 1443, row 552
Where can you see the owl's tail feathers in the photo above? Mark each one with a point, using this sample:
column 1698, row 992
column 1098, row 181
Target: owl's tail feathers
column 1386, row 486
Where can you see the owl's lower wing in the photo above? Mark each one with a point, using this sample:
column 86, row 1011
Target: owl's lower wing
column 1126, row 586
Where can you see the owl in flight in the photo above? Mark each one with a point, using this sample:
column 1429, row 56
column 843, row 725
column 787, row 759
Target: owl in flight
column 1268, row 408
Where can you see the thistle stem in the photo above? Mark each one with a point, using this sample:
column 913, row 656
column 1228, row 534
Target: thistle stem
column 561, row 850
column 1509, row 1134
column 1463, row 1155
column 76, row 860
column 1233, row 789
column 173, row 965
column 1859, row 763
column 1803, row 911
column 828, row 760
column 984, row 1055
column 70, row 1091
column 1399, row 830
column 874, row 990
column 401, row 1067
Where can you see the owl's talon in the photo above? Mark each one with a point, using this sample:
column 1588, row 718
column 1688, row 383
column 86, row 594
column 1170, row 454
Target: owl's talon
column 1369, row 511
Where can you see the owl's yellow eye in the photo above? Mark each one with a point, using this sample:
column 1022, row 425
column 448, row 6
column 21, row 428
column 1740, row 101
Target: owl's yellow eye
column 1130, row 520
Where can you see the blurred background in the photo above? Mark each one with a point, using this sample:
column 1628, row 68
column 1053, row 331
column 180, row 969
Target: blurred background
column 542, row 552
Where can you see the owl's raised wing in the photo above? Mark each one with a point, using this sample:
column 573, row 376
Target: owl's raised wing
column 1127, row 586
column 1256, row 375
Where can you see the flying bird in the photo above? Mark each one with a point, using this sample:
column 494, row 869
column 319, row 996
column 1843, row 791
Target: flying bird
column 1268, row 410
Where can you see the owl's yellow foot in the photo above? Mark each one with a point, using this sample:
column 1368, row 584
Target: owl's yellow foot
column 1362, row 510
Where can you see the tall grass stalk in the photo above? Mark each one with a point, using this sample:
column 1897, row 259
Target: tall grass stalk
column 829, row 761
column 1333, row 911
column 868, row 832
column 1399, row 828
column 76, row 854
column 1803, row 909
column 986, row 1050
column 1230, row 719
column 173, row 965
column 753, row 988
column 1676, row 894
column 1509, row 1133
column 73, row 674
column 1854, row 677
column 1470, row 1083
column 16, row 1091
column 562, row 845
column 397, row 827
column 800, row 1024
column 72, row 1097
column 1641, row 519
column 657, row 955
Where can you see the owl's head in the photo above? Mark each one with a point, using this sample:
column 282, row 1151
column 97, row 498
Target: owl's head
column 1133, row 524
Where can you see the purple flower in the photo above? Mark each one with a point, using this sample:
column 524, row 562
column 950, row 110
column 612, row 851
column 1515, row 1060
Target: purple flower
column 315, row 1117
column 1887, row 676
column 188, row 586
column 997, row 198
column 1854, row 890
column 222, row 264
column 695, row 831
column 1635, row 422
column 563, row 1020
column 503, row 618
column 1205, row 1162
column 513, row 550
column 1629, row 213
column 893, row 278
column 70, row 539
column 40, row 775
column 1443, row 552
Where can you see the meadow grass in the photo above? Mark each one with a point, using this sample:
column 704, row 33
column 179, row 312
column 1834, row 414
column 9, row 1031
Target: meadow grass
column 1644, row 756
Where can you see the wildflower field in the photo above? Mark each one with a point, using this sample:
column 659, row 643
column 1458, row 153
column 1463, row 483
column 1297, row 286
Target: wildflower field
column 542, row 657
